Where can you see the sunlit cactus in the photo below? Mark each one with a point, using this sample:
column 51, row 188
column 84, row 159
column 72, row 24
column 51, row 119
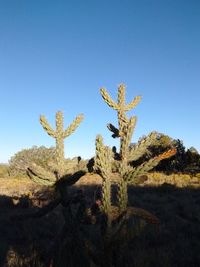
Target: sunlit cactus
column 60, row 134
column 45, row 177
column 116, row 217
column 124, row 132
column 103, row 164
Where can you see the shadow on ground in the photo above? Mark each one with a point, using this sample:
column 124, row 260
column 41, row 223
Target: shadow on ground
column 176, row 243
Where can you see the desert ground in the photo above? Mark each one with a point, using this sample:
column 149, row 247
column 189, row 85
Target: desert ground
column 176, row 243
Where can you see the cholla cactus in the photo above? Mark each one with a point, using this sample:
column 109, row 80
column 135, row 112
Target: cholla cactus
column 103, row 164
column 115, row 217
column 45, row 177
column 126, row 154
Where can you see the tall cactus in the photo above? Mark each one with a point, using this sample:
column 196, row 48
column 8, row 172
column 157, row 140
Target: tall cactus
column 115, row 217
column 126, row 154
column 37, row 173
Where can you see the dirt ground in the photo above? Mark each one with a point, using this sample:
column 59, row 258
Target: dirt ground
column 175, row 245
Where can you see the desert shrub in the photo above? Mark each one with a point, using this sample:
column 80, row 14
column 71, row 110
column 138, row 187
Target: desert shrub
column 4, row 170
column 19, row 163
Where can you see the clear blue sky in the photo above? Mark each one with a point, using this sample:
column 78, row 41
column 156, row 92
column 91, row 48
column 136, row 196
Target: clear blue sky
column 56, row 55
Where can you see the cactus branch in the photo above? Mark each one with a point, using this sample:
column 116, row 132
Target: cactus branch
column 72, row 127
column 40, row 175
column 108, row 99
column 133, row 103
column 141, row 147
column 147, row 166
column 113, row 129
column 103, row 164
column 47, row 127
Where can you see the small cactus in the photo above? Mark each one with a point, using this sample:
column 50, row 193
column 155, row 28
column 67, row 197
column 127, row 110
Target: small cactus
column 60, row 134
column 45, row 177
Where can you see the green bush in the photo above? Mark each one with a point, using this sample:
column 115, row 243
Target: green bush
column 19, row 163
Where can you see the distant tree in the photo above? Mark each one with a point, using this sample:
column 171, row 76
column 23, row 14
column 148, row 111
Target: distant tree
column 163, row 143
column 178, row 161
column 21, row 160
column 192, row 158
column 183, row 161
column 193, row 150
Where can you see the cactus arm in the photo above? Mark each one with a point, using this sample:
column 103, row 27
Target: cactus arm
column 37, row 180
column 126, row 139
column 113, row 129
column 143, row 214
column 111, row 103
column 70, row 179
column 72, row 127
column 139, row 149
column 40, row 175
column 147, row 166
column 102, row 160
column 47, row 127
column 103, row 165
column 169, row 153
column 133, row 103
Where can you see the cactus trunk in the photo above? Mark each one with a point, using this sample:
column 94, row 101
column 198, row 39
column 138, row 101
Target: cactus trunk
column 60, row 157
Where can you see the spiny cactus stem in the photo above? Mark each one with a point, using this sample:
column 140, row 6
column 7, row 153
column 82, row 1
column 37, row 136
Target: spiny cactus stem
column 122, row 195
column 59, row 122
column 59, row 142
column 106, row 196
column 121, row 97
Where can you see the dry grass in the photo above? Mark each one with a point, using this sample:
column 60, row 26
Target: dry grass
column 178, row 180
column 175, row 245
column 24, row 186
column 16, row 187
